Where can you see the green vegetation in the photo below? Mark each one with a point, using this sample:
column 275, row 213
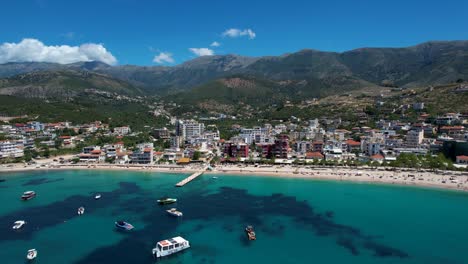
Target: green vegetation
column 423, row 162
column 82, row 110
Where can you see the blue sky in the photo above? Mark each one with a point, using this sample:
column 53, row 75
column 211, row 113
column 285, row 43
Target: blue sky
column 134, row 32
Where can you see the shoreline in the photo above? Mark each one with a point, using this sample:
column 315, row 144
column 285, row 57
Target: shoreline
column 449, row 180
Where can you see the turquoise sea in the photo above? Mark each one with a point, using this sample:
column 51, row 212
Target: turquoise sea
column 296, row 220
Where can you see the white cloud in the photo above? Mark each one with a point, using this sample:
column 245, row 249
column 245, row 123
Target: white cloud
column 202, row 51
column 34, row 50
column 235, row 33
column 215, row 44
column 163, row 57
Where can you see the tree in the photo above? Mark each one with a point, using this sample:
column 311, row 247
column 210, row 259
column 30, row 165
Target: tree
column 196, row 155
column 46, row 152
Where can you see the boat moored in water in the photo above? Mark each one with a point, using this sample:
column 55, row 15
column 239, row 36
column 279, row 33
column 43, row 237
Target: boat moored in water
column 170, row 246
column 97, row 196
column 167, row 200
column 32, row 254
column 124, row 225
column 81, row 210
column 174, row 212
column 250, row 233
column 19, row 224
column 28, row 195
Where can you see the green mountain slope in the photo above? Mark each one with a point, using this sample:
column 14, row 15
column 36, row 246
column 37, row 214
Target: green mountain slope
column 64, row 84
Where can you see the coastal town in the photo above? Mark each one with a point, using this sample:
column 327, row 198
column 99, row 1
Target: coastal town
column 292, row 146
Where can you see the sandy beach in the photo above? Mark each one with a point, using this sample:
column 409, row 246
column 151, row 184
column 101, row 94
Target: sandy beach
column 437, row 179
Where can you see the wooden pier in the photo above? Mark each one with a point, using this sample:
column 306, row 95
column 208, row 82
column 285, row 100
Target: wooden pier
column 189, row 179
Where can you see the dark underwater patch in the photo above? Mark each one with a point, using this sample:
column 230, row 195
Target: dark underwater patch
column 230, row 202
column 39, row 181
column 57, row 213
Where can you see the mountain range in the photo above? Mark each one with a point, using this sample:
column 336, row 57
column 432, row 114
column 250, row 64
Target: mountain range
column 305, row 73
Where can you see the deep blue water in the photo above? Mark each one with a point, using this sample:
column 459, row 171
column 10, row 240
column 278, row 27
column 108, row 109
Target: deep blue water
column 296, row 220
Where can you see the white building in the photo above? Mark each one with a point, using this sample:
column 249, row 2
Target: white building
column 124, row 130
column 189, row 128
column 303, row 146
column 256, row 134
column 143, row 154
column 9, row 149
column 414, row 138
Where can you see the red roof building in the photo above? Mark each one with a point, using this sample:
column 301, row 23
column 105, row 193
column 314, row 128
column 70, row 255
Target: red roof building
column 377, row 157
column 314, row 155
column 462, row 159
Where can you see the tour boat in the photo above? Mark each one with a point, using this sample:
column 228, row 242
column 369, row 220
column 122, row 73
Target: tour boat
column 28, row 195
column 32, row 254
column 19, row 224
column 174, row 212
column 170, row 246
column 81, row 210
column 167, row 200
column 123, row 225
column 97, row 196
column 250, row 233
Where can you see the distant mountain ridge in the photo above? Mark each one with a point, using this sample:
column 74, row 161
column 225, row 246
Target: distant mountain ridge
column 315, row 72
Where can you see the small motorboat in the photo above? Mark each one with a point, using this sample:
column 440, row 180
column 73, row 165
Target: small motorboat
column 167, row 200
column 214, row 177
column 174, row 212
column 81, row 210
column 97, row 196
column 250, row 233
column 19, row 224
column 123, row 225
column 32, row 254
column 28, row 195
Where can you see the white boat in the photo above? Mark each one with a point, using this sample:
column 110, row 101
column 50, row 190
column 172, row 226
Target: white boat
column 170, row 246
column 214, row 177
column 166, row 200
column 174, row 212
column 97, row 196
column 28, row 195
column 19, row 224
column 81, row 210
column 32, row 254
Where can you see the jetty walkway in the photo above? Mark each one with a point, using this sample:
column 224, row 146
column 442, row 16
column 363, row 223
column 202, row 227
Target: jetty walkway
column 189, row 178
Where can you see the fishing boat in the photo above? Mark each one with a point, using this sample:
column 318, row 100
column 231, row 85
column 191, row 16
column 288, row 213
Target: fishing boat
column 28, row 195
column 32, row 254
column 174, row 212
column 250, row 233
column 123, row 225
column 170, row 246
column 97, row 196
column 167, row 200
column 81, row 210
column 19, row 224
